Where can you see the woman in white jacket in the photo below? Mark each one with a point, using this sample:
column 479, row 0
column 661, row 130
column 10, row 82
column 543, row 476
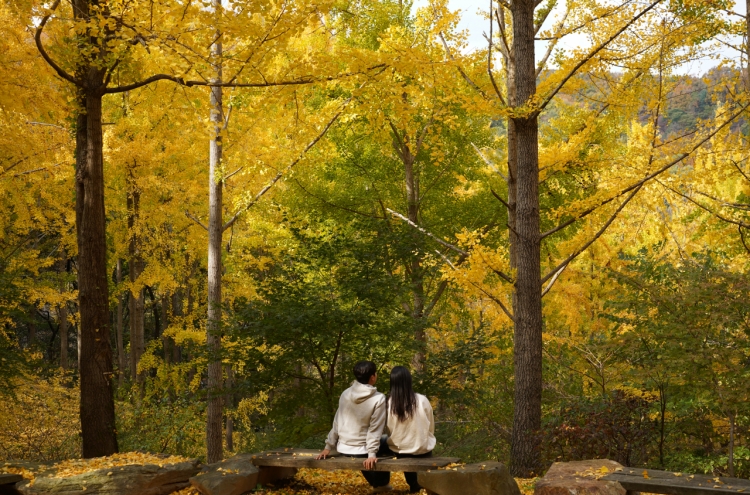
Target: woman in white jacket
column 409, row 422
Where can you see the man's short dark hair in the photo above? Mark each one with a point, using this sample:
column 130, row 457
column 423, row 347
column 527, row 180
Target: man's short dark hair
column 363, row 370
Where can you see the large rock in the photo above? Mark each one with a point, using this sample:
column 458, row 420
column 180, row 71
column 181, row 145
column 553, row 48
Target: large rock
column 230, row 477
column 147, row 479
column 580, row 478
column 484, row 478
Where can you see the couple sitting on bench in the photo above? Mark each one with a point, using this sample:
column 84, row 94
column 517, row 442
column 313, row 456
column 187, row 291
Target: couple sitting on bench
column 364, row 414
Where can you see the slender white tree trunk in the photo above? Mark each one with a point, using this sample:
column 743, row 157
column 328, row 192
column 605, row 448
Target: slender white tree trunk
column 214, row 443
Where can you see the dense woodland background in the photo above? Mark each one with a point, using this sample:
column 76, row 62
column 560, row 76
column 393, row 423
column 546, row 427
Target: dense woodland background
column 385, row 233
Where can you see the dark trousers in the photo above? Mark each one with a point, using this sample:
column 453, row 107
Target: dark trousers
column 382, row 478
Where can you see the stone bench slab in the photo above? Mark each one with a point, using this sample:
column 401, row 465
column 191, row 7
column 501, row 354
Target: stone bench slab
column 306, row 458
column 653, row 481
column 10, row 479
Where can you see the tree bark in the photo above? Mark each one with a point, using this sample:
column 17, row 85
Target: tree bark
column 135, row 267
column 95, row 360
column 176, row 311
column 229, row 404
column 730, row 461
column 527, row 413
column 416, row 271
column 214, row 443
column 32, row 328
column 62, row 315
column 166, row 317
column 120, row 345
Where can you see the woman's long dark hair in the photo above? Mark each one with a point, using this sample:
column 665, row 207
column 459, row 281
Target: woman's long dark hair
column 403, row 400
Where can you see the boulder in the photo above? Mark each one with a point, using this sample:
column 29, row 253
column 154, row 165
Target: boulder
column 484, row 478
column 580, row 478
column 233, row 476
column 147, row 479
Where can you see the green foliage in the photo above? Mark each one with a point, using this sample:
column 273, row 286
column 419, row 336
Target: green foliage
column 326, row 302
column 162, row 425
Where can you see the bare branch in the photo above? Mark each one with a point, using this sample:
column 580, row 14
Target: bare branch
column 596, row 236
column 264, row 84
column 742, row 238
column 38, row 40
column 195, row 219
column 235, row 172
column 460, row 70
column 428, row 234
column 554, row 279
column 499, row 198
column 739, row 169
column 489, row 163
column 489, row 62
column 48, row 125
column 546, row 14
column 553, row 43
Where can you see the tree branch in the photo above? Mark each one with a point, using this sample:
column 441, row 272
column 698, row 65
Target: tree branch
column 652, row 175
column 195, row 219
column 601, row 231
column 281, row 173
column 489, row 61
column 554, row 279
column 428, row 234
column 495, row 299
column 596, row 50
column 705, row 208
column 489, row 163
column 497, row 196
column 742, row 238
column 264, row 84
column 38, row 40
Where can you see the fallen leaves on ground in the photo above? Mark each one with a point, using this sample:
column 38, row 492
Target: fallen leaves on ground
column 73, row 467
column 322, row 482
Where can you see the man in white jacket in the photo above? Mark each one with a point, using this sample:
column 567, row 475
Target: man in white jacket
column 358, row 424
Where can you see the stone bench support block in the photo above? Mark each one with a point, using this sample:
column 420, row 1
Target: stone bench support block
column 484, row 478
column 233, row 476
column 579, row 478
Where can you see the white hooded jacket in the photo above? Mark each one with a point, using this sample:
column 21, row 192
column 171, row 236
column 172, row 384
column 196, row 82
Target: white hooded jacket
column 359, row 421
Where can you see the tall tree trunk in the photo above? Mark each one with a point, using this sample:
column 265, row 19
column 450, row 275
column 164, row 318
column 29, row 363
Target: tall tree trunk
column 177, row 312
column 166, row 317
column 229, row 404
column 120, row 345
column 730, row 461
column 416, row 271
column 95, row 360
column 135, row 267
column 32, row 329
column 214, row 444
column 62, row 314
column 527, row 413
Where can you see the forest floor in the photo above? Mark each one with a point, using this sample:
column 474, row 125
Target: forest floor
column 321, row 482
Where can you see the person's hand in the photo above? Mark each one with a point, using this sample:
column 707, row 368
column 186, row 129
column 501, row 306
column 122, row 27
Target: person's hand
column 323, row 454
column 370, row 462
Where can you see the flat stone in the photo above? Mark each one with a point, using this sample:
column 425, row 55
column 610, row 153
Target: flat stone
column 147, row 479
column 580, row 478
column 483, row 478
column 233, row 476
